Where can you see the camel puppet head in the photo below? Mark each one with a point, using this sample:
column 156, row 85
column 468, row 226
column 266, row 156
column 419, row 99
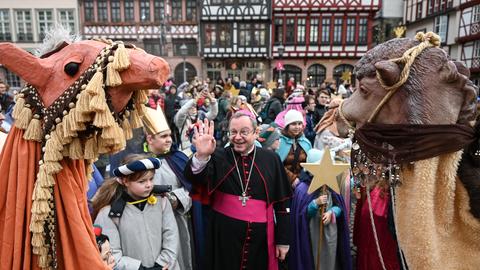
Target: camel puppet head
column 81, row 99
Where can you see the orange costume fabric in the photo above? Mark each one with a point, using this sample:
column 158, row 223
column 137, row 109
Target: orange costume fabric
column 74, row 250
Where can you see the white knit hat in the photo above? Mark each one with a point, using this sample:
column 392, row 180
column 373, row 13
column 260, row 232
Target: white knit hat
column 293, row 116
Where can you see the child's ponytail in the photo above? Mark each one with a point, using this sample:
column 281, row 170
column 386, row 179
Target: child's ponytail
column 106, row 194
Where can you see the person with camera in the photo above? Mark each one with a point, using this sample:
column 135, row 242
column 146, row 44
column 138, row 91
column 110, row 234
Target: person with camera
column 159, row 142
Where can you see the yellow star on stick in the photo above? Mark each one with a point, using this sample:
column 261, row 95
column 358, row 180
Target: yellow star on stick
column 325, row 172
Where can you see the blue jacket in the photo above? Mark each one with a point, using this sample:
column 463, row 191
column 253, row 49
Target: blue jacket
column 286, row 143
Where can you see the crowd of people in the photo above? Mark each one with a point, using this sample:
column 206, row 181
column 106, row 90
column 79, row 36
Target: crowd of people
column 214, row 181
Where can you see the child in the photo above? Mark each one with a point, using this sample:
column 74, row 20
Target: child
column 141, row 227
column 103, row 243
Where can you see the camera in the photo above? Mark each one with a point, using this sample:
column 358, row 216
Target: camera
column 160, row 189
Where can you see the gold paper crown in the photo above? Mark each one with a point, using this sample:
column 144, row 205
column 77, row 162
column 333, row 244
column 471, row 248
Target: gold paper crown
column 155, row 121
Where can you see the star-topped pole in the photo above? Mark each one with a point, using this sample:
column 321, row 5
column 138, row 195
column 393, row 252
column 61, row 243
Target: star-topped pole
column 325, row 172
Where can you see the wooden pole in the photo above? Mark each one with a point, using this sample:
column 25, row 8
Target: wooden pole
column 320, row 236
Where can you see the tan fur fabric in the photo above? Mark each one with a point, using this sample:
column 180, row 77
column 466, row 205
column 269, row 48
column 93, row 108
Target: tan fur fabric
column 434, row 226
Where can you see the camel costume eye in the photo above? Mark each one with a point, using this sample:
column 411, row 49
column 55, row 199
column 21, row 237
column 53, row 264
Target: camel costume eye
column 71, row 68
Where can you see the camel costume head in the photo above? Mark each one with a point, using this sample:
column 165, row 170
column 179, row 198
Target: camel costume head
column 81, row 99
column 412, row 116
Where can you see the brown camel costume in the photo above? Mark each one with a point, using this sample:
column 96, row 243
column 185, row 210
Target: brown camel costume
column 425, row 106
column 65, row 116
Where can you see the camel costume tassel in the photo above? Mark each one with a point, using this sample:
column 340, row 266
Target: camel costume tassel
column 83, row 104
column 75, row 149
column 113, row 77
column 91, row 150
column 135, row 118
column 127, row 129
column 18, row 106
column 24, row 118
column 121, row 60
column 95, row 85
column 34, row 131
column 98, row 103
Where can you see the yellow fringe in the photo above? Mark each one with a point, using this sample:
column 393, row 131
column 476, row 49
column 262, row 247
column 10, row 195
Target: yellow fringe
column 121, row 59
column 109, row 133
column 135, row 119
column 54, row 142
column 34, row 131
column 75, row 149
column 103, row 119
column 68, row 130
column 98, row 102
column 24, row 118
column 127, row 129
column 91, row 150
column 113, row 77
column 18, row 107
column 95, row 85
column 53, row 155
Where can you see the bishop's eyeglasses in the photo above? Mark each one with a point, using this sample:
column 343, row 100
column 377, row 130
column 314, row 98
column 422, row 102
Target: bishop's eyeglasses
column 243, row 132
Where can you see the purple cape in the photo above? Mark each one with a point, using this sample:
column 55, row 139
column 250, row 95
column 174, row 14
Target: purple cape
column 300, row 254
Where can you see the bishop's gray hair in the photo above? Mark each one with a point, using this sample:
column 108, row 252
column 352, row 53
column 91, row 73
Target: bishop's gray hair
column 54, row 37
column 242, row 114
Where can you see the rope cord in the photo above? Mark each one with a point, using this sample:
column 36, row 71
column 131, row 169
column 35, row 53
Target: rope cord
column 377, row 244
column 427, row 40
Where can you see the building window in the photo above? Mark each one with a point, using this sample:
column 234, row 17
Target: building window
column 190, row 72
column 350, row 35
column 314, row 30
column 476, row 55
column 67, row 19
column 45, row 22
column 176, row 10
column 316, row 75
column 419, row 10
column 129, row 9
column 278, row 31
column 362, row 31
column 210, row 35
column 5, row 32
column 290, row 31
column 88, row 9
column 24, row 25
column 326, row 30
column 476, row 14
column 218, row 35
column 12, row 79
column 254, row 68
column 225, row 35
column 214, row 70
column 115, row 14
column 191, row 10
column 159, row 10
column 441, row 27
column 152, row 46
column 337, row 31
column 145, row 10
column 191, row 44
column 252, row 34
column 102, row 11
column 301, row 25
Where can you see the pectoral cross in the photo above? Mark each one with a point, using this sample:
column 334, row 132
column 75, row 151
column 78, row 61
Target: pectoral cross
column 244, row 198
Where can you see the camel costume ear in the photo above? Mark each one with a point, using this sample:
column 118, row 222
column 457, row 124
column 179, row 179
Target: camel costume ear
column 388, row 71
column 455, row 72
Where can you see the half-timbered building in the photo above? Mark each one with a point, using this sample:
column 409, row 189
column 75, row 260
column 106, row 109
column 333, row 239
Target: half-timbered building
column 320, row 40
column 469, row 37
column 160, row 27
column 235, row 38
